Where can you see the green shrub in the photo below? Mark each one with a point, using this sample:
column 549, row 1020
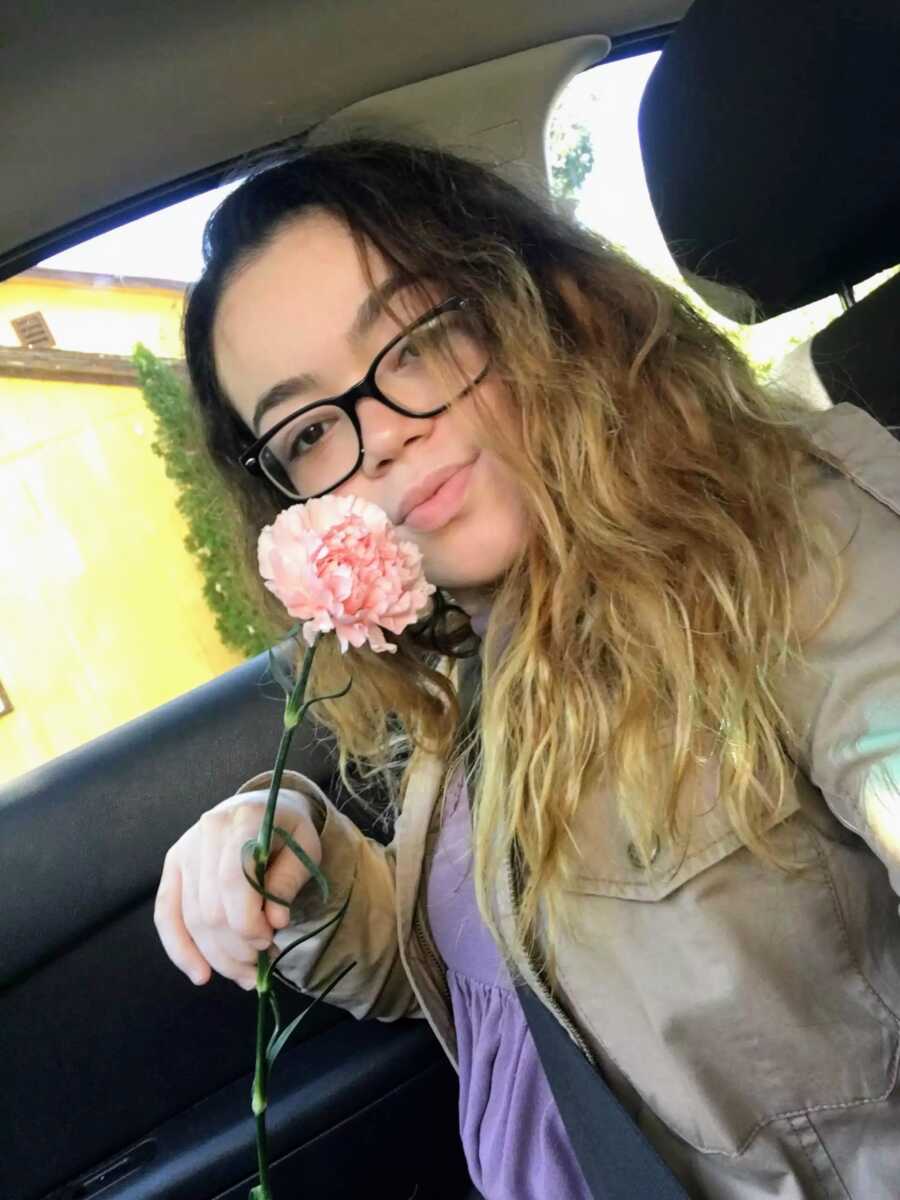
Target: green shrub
column 212, row 519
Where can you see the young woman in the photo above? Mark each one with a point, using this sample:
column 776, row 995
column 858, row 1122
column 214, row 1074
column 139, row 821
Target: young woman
column 684, row 594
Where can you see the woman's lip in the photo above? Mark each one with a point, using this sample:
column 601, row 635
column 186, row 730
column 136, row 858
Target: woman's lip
column 443, row 505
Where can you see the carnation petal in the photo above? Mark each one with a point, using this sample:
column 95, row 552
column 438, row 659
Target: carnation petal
column 335, row 563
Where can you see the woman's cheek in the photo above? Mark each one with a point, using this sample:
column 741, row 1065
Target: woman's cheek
column 476, row 551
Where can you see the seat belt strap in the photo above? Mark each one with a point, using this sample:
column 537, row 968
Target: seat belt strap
column 617, row 1160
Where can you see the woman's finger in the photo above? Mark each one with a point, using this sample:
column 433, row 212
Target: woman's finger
column 226, row 953
column 286, row 876
column 210, row 831
column 242, row 904
column 231, row 956
column 167, row 917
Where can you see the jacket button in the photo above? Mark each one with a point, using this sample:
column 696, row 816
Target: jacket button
column 635, row 857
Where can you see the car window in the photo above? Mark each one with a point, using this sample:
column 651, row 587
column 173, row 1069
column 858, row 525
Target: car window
column 106, row 611
column 596, row 168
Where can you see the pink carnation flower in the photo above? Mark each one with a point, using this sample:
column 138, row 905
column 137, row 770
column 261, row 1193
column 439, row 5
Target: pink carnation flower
column 335, row 563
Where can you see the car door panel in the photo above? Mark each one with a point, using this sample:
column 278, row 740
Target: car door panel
column 351, row 1123
column 106, row 1044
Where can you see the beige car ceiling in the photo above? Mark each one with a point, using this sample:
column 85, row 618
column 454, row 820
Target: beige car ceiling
column 127, row 107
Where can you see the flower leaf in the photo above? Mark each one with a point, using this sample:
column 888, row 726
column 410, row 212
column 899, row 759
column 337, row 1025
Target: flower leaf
column 262, row 891
column 277, row 1044
column 315, row 871
column 315, row 700
column 312, row 867
column 280, row 675
column 333, row 920
column 273, row 1004
column 247, row 849
column 277, row 1041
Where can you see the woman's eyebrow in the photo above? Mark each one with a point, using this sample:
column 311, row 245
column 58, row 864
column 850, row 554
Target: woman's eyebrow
column 372, row 307
column 369, row 311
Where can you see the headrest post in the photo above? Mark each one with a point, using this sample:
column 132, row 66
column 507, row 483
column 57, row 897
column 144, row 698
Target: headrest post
column 846, row 295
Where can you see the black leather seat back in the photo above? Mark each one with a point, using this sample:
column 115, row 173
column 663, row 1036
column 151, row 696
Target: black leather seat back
column 770, row 135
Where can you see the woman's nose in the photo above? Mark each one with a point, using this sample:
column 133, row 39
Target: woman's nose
column 386, row 433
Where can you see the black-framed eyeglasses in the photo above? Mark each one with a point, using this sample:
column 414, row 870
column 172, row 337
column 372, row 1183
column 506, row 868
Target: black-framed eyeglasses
column 433, row 362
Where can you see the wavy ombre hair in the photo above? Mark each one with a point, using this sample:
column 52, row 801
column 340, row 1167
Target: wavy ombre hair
column 642, row 625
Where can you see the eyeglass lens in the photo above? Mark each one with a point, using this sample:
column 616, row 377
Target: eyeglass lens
column 429, row 368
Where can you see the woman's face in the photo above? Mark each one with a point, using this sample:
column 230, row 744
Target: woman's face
column 288, row 313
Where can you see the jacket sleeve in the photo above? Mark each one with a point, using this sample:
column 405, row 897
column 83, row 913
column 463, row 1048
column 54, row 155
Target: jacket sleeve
column 377, row 986
column 846, row 701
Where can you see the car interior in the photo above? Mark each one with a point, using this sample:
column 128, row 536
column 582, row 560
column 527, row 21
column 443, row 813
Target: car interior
column 768, row 133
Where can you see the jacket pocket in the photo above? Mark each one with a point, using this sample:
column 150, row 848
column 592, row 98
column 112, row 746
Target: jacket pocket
column 728, row 992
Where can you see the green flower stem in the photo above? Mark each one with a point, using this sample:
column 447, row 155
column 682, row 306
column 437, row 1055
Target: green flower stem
column 291, row 719
column 261, row 850
column 259, row 1101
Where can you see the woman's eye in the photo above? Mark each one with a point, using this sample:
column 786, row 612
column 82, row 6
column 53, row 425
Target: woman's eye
column 409, row 348
column 303, row 441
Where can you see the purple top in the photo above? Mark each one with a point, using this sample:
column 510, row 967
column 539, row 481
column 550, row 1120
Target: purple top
column 515, row 1144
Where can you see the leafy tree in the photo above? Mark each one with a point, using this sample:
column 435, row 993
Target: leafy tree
column 571, row 157
column 214, row 534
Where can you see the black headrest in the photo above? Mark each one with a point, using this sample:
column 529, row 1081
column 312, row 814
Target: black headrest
column 770, row 133
column 857, row 356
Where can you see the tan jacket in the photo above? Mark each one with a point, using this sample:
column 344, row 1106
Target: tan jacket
column 749, row 1021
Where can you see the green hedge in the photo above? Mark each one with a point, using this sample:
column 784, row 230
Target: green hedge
column 204, row 502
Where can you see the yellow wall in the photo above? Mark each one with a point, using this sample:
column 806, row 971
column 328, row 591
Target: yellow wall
column 96, row 314
column 102, row 616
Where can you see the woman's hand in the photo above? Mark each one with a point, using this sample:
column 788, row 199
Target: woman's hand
column 207, row 915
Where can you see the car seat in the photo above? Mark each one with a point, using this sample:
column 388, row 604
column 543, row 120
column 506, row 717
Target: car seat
column 769, row 138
